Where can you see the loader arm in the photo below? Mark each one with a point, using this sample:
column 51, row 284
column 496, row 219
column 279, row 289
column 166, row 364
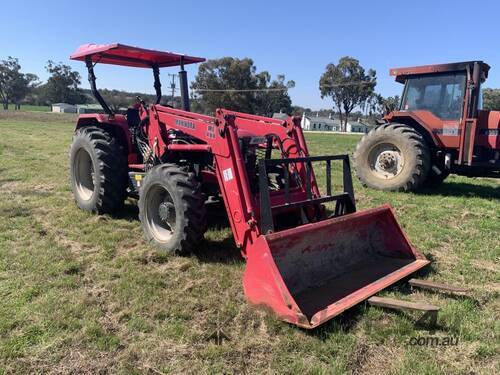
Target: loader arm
column 219, row 136
column 216, row 136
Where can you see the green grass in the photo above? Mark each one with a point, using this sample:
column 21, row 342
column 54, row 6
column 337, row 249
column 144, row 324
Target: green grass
column 33, row 108
column 84, row 294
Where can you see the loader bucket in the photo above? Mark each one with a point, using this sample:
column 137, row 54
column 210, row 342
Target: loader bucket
column 311, row 273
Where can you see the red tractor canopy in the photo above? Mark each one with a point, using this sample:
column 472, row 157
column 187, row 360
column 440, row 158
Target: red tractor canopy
column 121, row 54
column 402, row 73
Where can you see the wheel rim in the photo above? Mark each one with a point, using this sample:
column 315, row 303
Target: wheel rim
column 84, row 174
column 386, row 161
column 160, row 213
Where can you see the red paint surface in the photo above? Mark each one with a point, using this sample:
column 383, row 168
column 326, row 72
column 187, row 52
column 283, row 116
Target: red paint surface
column 119, row 54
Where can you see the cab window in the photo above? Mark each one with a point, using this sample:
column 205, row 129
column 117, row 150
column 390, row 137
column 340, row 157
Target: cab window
column 441, row 94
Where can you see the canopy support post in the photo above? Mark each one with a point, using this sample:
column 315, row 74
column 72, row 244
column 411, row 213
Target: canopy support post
column 93, row 87
column 157, row 83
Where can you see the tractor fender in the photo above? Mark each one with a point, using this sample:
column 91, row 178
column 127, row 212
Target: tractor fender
column 118, row 124
column 411, row 119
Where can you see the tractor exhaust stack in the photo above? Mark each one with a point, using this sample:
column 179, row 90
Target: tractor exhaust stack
column 184, row 87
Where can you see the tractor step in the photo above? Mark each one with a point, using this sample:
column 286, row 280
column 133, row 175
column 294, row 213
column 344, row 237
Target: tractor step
column 135, row 181
column 430, row 285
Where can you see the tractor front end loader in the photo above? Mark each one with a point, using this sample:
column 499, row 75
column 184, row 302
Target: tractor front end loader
column 305, row 262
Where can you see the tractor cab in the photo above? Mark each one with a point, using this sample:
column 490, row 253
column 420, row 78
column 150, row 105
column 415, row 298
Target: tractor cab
column 442, row 89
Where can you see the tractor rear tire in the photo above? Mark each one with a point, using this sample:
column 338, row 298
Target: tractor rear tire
column 392, row 157
column 98, row 170
column 172, row 209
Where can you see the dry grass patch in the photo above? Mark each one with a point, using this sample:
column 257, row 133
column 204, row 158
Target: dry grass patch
column 85, row 294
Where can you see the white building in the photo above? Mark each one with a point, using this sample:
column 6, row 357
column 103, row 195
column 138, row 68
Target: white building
column 63, row 108
column 317, row 123
column 358, row 127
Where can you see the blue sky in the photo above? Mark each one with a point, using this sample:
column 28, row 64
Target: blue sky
column 296, row 38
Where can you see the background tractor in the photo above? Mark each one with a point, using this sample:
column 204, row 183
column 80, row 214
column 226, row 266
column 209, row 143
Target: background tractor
column 304, row 262
column 438, row 129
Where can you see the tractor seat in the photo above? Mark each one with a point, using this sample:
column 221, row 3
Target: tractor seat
column 133, row 118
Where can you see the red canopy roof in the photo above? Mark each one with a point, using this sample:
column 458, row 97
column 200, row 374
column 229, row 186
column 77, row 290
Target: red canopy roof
column 120, row 54
column 402, row 73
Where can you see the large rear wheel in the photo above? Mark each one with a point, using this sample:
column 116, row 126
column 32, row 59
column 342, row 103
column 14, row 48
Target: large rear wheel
column 392, row 157
column 98, row 171
column 172, row 209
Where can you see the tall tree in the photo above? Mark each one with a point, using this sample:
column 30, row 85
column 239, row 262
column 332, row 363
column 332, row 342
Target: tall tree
column 117, row 99
column 274, row 97
column 62, row 85
column 348, row 85
column 14, row 85
column 380, row 106
column 24, row 85
column 491, row 99
column 297, row 110
column 235, row 84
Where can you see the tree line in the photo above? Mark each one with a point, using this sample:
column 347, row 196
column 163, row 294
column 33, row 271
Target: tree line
column 227, row 82
column 17, row 87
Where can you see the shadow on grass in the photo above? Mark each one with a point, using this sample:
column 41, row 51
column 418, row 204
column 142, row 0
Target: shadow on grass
column 463, row 189
column 342, row 323
column 220, row 251
column 129, row 212
column 224, row 252
column 216, row 213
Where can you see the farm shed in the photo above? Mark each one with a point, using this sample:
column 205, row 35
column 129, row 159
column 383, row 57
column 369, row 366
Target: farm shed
column 63, row 108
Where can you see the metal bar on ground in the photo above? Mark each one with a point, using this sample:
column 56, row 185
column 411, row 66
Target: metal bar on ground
column 397, row 304
column 426, row 284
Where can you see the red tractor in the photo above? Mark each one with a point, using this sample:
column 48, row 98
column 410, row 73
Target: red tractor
column 438, row 129
column 304, row 262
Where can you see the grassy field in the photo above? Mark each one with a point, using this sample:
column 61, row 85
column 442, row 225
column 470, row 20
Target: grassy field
column 84, row 294
column 35, row 108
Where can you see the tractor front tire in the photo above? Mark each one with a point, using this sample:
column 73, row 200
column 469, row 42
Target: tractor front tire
column 98, row 171
column 392, row 157
column 172, row 209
